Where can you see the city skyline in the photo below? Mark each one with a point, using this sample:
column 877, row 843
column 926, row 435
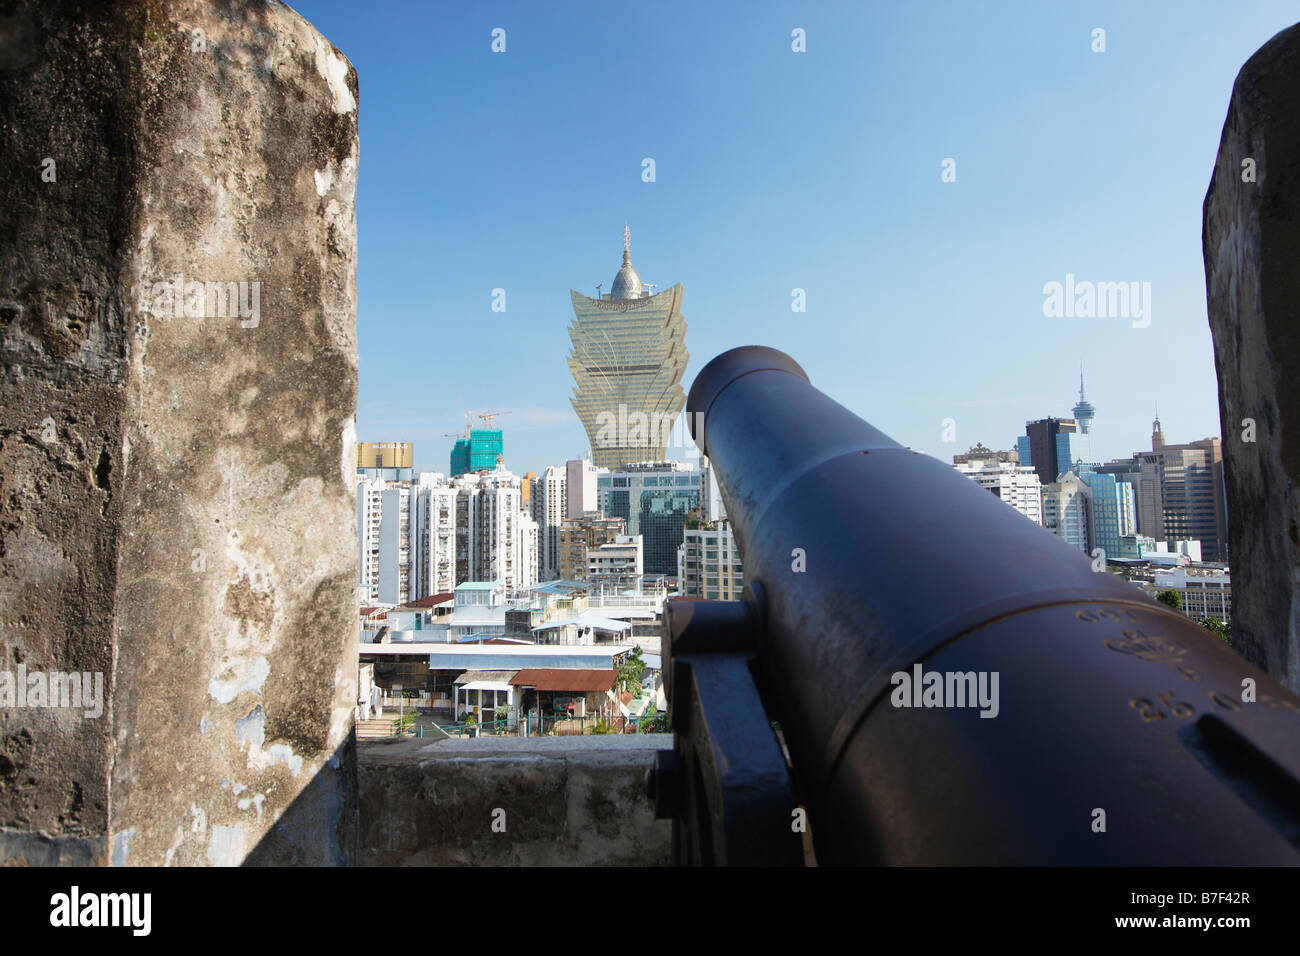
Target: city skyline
column 778, row 170
column 939, row 449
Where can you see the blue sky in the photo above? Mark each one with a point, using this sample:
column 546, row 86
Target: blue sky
column 778, row 170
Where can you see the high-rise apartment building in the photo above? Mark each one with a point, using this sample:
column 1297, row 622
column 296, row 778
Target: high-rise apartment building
column 580, row 488
column 628, row 357
column 1017, row 485
column 712, row 507
column 582, row 534
column 433, row 522
column 549, row 500
column 502, row 538
column 384, row 530
column 708, row 562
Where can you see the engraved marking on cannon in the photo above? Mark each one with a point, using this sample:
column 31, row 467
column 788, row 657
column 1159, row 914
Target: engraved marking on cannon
column 1148, row 647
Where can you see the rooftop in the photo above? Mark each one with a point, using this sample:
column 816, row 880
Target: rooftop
column 565, row 678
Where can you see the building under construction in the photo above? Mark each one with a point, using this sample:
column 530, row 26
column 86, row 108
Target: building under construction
column 480, row 450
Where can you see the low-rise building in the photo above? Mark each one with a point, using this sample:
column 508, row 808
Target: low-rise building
column 1206, row 592
column 617, row 562
column 578, row 535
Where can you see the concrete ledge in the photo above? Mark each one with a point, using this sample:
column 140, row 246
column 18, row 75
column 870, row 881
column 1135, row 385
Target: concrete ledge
column 22, row 848
column 504, row 801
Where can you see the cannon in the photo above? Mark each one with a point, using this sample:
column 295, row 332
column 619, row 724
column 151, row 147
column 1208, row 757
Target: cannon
column 917, row 674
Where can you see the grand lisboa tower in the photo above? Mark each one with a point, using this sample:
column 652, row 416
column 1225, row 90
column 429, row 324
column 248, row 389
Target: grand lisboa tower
column 628, row 357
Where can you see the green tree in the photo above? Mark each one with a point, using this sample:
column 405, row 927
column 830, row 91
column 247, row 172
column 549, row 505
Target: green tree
column 1172, row 598
column 631, row 670
column 656, row 724
column 1222, row 629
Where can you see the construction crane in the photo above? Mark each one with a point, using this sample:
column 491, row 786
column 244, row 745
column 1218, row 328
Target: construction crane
column 486, row 417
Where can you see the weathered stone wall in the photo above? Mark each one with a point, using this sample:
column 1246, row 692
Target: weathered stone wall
column 177, row 471
column 1251, row 244
column 556, row 801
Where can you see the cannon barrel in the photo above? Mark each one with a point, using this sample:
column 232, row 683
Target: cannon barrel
column 954, row 683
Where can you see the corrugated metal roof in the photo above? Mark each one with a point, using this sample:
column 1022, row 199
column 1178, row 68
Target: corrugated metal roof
column 433, row 600
column 562, row 679
column 587, row 620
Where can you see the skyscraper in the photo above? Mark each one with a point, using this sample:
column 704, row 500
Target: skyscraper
column 548, row 507
column 628, row 357
column 1067, row 511
column 433, row 536
column 384, row 532
column 1192, row 494
column 1178, row 492
column 495, row 539
column 1039, row 447
column 654, row 498
column 1114, row 510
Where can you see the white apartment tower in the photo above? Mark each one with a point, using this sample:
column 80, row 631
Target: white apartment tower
column 500, row 538
column 384, row 530
column 549, row 502
column 1017, row 485
column 708, row 562
column 433, row 518
column 580, row 488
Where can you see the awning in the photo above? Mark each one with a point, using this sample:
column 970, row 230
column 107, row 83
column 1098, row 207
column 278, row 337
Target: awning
column 474, row 678
column 486, row 685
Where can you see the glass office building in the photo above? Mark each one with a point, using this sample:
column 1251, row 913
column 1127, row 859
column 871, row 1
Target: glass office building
column 1073, row 452
column 1114, row 513
column 654, row 500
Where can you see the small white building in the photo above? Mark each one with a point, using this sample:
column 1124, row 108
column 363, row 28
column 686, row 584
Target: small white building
column 1206, row 592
